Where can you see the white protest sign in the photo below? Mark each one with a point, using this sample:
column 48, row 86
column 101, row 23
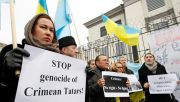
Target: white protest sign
column 115, row 84
column 134, row 84
column 162, row 84
column 51, row 77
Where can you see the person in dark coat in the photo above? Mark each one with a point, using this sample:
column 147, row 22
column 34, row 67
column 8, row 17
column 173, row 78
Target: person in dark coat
column 152, row 67
column 39, row 32
column 90, row 69
column 96, row 83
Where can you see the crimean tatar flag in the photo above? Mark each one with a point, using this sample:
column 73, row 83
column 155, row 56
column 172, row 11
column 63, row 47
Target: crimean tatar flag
column 126, row 34
column 42, row 7
column 62, row 19
column 4, row 1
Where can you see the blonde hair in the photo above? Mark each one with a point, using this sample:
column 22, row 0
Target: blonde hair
column 114, row 66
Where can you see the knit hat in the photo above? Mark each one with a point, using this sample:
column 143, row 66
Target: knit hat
column 66, row 41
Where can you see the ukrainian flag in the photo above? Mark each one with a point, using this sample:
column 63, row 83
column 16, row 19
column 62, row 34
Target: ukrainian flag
column 126, row 34
column 42, row 7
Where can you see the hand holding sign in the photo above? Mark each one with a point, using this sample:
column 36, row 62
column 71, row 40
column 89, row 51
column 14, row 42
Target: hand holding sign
column 49, row 77
column 146, row 85
column 162, row 84
column 101, row 82
column 115, row 84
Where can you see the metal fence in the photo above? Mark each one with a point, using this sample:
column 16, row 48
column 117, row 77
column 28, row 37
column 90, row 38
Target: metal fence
column 114, row 48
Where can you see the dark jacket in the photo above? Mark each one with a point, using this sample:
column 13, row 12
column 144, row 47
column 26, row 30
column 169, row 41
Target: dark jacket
column 143, row 73
column 96, row 93
column 8, row 79
column 128, row 71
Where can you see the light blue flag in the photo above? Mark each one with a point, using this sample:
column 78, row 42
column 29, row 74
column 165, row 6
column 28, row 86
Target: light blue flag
column 2, row 1
column 5, row 1
column 62, row 19
column 134, row 67
column 0, row 15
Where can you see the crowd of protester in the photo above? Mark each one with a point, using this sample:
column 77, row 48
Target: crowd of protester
column 40, row 32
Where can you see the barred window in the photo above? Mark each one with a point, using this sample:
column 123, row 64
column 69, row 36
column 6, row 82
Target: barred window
column 160, row 25
column 120, row 48
column 154, row 4
column 103, row 31
column 118, row 22
column 135, row 54
column 105, row 51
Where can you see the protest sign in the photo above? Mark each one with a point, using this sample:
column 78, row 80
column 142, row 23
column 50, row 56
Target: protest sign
column 51, row 77
column 134, row 84
column 115, row 84
column 162, row 84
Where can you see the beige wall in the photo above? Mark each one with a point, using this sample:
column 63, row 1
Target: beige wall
column 134, row 15
column 176, row 6
column 168, row 5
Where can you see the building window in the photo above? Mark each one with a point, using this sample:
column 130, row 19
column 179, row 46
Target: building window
column 154, row 4
column 160, row 25
column 118, row 22
column 120, row 49
column 103, row 31
column 135, row 54
column 105, row 51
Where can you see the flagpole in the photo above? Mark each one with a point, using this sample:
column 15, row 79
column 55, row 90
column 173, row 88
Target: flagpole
column 13, row 29
column 83, row 56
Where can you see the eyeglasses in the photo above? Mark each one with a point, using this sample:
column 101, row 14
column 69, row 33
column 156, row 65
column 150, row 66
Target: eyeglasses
column 119, row 67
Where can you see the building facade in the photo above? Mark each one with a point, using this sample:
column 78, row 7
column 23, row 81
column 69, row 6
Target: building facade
column 146, row 15
column 100, row 42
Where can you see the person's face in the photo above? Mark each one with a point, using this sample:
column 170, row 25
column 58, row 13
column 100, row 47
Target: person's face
column 44, row 31
column 149, row 59
column 123, row 61
column 103, row 62
column 70, row 50
column 92, row 65
column 120, row 68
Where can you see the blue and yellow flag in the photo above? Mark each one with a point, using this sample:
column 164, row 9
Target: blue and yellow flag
column 42, row 7
column 126, row 34
column 62, row 19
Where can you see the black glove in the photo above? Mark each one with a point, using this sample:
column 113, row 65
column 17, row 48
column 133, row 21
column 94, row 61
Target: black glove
column 13, row 58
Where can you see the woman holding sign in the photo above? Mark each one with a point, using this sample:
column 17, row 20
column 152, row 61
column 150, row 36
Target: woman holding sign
column 39, row 32
column 118, row 67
